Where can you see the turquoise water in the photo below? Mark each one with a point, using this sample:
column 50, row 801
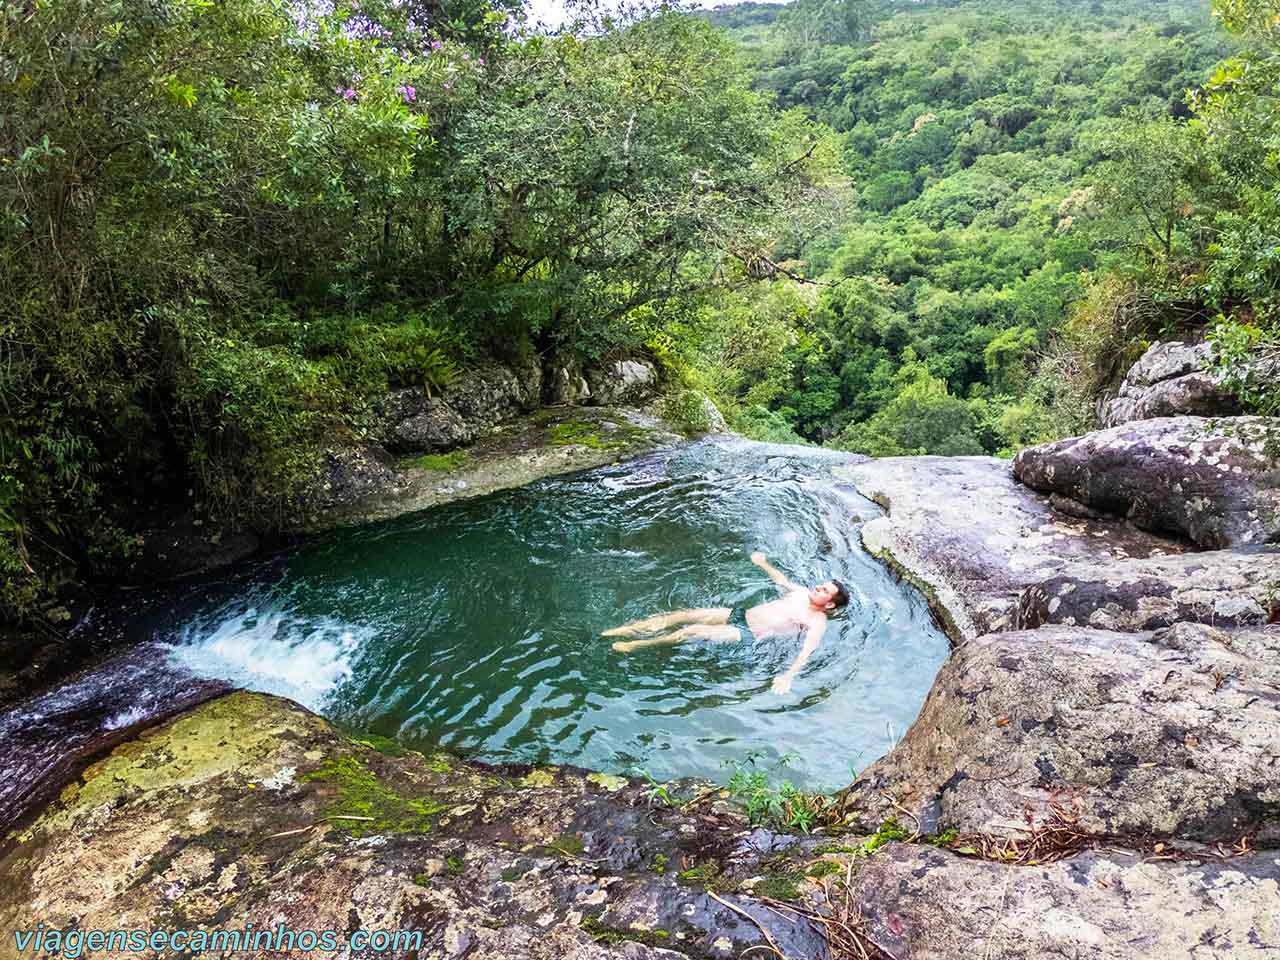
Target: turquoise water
column 475, row 626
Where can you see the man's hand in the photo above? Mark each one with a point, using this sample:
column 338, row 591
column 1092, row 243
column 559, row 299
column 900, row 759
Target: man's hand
column 782, row 683
column 776, row 575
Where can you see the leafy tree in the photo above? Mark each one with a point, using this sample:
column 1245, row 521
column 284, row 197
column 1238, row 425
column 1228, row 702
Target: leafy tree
column 227, row 228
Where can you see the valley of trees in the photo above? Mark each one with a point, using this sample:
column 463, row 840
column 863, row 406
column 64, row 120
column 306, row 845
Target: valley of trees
column 942, row 226
column 1037, row 189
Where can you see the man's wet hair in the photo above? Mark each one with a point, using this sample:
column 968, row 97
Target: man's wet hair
column 842, row 594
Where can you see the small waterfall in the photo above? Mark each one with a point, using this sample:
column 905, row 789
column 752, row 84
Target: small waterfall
column 49, row 738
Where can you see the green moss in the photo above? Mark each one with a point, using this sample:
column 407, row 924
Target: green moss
column 603, row 933
column 607, row 781
column 942, row 839
column 834, row 848
column 422, row 880
column 454, row 864
column 384, row 745
column 569, row 843
column 440, row 461
column 779, row 886
column 659, row 863
column 515, row 872
column 541, row 777
column 584, row 434
column 889, row 830
column 824, row 868
column 704, row 874
column 359, row 793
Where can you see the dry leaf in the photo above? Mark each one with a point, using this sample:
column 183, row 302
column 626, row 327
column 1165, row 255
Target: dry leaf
column 1002, row 722
column 1192, row 742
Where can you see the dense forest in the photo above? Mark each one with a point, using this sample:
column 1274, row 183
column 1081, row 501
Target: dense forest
column 1036, row 189
column 227, row 228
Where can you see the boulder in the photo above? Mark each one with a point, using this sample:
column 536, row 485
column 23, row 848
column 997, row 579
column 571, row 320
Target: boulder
column 415, row 422
column 468, row 408
column 1170, row 380
column 972, row 539
column 716, row 422
column 564, row 382
column 919, row 903
column 1173, row 733
column 622, row 383
column 1220, row 587
column 350, row 473
column 1208, row 480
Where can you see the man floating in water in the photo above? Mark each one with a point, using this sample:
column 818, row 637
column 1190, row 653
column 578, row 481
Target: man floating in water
column 799, row 611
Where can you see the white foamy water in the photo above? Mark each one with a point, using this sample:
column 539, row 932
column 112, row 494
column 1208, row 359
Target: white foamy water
column 274, row 651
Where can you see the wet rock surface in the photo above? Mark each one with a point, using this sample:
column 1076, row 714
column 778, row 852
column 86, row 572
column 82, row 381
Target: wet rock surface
column 250, row 810
column 1208, row 480
column 372, row 486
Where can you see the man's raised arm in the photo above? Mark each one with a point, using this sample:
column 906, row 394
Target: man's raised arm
column 776, row 575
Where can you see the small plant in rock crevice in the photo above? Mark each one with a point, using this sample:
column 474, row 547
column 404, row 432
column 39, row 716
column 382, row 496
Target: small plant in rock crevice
column 781, row 804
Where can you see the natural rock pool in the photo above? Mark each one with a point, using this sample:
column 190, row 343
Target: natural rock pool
column 475, row 626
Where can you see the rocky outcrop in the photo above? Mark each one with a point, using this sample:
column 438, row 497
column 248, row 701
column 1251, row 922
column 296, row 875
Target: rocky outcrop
column 1220, row 587
column 1208, row 480
column 251, row 813
column 250, row 810
column 1172, row 734
column 1171, row 380
column 922, row 904
column 1133, row 733
column 183, row 545
column 468, row 408
column 362, row 483
column 622, row 382
column 973, row 540
column 564, row 382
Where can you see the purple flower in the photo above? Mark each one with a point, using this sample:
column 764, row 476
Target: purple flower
column 480, row 60
column 466, row 56
column 445, row 85
column 409, row 94
column 436, row 44
column 348, row 94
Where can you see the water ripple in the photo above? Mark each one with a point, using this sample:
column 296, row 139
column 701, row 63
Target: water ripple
column 476, row 625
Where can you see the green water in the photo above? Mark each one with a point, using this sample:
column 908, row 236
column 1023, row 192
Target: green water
column 475, row 626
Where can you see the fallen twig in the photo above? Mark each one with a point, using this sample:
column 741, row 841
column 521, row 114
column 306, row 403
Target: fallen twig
column 316, row 823
column 773, row 944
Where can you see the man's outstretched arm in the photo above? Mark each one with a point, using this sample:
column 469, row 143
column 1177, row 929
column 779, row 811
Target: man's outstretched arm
column 812, row 640
column 776, row 575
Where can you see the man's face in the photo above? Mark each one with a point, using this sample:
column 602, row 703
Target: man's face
column 823, row 596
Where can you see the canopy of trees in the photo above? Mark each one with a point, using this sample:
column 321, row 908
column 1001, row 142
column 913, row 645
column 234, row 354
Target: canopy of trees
column 226, row 227
column 995, row 174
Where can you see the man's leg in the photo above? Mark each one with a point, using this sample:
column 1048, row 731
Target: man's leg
column 665, row 621
column 707, row 632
